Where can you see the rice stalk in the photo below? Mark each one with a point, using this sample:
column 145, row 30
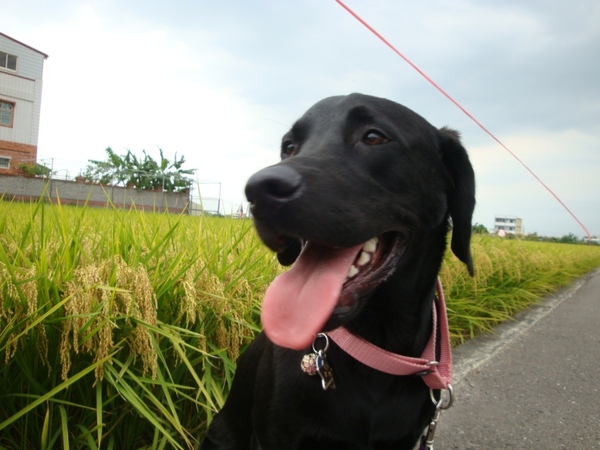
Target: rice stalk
column 121, row 329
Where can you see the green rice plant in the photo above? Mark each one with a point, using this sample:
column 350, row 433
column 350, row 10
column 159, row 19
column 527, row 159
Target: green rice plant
column 509, row 276
column 121, row 329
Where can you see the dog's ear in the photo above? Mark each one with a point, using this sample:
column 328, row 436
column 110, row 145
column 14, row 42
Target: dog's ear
column 289, row 254
column 461, row 195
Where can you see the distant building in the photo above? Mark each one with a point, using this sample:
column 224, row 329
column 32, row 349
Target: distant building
column 21, row 69
column 594, row 240
column 508, row 225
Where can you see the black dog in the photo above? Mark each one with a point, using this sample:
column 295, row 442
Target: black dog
column 353, row 168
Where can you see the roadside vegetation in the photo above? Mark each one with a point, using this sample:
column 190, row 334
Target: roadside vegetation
column 140, row 172
column 120, row 329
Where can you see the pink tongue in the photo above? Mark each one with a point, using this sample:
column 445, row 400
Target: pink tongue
column 298, row 302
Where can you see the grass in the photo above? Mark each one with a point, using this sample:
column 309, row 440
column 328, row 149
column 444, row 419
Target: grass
column 120, row 329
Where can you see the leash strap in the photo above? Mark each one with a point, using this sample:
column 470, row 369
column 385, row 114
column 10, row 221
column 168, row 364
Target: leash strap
column 435, row 374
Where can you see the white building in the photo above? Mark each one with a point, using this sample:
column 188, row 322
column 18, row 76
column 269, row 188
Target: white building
column 21, row 69
column 508, row 224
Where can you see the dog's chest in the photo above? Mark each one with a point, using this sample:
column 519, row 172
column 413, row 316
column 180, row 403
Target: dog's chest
column 363, row 408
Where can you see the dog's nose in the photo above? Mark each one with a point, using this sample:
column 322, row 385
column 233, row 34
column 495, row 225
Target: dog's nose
column 273, row 186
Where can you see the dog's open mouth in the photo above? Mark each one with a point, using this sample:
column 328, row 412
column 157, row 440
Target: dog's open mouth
column 325, row 283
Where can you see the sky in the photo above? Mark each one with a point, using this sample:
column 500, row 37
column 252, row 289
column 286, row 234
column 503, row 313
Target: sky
column 220, row 82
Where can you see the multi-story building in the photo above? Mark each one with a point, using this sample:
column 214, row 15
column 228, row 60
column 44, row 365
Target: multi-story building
column 594, row 240
column 21, row 69
column 508, row 224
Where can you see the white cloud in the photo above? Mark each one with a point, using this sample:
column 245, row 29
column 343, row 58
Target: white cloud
column 220, row 82
column 565, row 161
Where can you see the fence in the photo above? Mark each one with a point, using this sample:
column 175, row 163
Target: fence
column 22, row 188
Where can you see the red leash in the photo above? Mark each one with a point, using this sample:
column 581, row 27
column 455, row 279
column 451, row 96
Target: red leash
column 467, row 113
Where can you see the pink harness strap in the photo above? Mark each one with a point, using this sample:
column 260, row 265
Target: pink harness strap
column 436, row 374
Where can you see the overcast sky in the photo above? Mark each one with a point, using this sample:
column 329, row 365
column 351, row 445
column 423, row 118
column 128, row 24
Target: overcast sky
column 220, row 81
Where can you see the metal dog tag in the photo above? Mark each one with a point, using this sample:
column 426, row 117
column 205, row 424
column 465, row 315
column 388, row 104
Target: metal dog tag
column 316, row 363
column 324, row 371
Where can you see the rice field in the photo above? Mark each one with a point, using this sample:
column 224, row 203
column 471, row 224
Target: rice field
column 120, row 329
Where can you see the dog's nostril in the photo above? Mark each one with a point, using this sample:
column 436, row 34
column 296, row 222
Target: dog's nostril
column 278, row 182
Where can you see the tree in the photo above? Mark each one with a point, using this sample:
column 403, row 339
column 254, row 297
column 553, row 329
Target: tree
column 142, row 173
column 569, row 239
column 35, row 169
column 479, row 229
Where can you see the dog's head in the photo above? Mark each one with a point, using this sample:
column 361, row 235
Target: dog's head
column 362, row 187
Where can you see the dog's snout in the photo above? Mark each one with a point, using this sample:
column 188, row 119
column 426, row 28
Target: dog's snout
column 273, row 185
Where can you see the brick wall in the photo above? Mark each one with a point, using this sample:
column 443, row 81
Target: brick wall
column 18, row 153
column 20, row 188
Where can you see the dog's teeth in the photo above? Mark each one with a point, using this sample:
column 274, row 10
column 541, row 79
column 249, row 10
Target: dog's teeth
column 363, row 259
column 371, row 245
column 352, row 272
column 365, row 256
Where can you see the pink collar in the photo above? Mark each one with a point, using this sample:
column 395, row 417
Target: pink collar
column 436, row 374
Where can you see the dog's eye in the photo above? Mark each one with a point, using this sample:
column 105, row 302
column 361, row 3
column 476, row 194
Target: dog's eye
column 288, row 148
column 373, row 137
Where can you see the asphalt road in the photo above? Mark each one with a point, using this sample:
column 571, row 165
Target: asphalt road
column 534, row 383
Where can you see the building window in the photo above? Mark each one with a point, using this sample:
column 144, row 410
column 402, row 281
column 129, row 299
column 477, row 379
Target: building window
column 8, row 61
column 7, row 112
column 4, row 162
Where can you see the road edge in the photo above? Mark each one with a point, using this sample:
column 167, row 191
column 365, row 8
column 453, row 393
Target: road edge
column 474, row 353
